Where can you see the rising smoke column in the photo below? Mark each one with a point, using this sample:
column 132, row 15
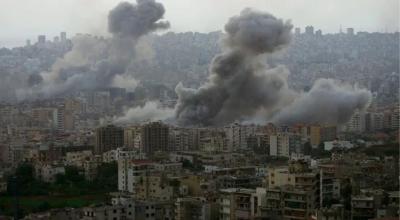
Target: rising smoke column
column 241, row 86
column 98, row 63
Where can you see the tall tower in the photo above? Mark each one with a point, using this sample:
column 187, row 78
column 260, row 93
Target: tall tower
column 108, row 138
column 155, row 137
column 63, row 36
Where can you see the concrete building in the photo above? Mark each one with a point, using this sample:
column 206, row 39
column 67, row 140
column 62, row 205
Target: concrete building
column 47, row 172
column 309, row 30
column 63, row 36
column 122, row 154
column 132, row 137
column 196, row 208
column 362, row 207
column 289, row 202
column 259, row 143
column 184, row 139
column 120, row 208
column 237, row 135
column 41, row 39
column 237, row 203
column 77, row 158
column 108, row 138
column 154, row 137
column 90, row 167
column 283, row 144
column 336, row 212
column 350, row 31
column 356, row 123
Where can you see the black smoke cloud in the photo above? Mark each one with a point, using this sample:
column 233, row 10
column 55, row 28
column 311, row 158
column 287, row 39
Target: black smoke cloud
column 95, row 62
column 242, row 87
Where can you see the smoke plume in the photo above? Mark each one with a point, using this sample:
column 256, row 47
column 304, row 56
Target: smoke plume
column 241, row 86
column 149, row 112
column 327, row 102
column 98, row 63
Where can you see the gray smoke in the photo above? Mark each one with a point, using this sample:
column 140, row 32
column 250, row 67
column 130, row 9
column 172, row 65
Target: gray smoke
column 98, row 63
column 241, row 86
column 240, row 83
column 133, row 21
column 150, row 111
column 327, row 102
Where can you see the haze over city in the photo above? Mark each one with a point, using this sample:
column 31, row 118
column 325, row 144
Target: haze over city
column 22, row 20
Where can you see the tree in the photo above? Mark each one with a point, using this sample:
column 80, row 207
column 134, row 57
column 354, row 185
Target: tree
column 107, row 176
column 42, row 207
column 72, row 174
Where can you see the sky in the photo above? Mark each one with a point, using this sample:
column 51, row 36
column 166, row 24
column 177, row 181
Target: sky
column 25, row 19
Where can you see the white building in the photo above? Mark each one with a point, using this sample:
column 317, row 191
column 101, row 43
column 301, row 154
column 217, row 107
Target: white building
column 130, row 173
column 47, row 172
column 279, row 145
column 122, row 154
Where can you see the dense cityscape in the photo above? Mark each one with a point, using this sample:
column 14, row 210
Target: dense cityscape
column 301, row 126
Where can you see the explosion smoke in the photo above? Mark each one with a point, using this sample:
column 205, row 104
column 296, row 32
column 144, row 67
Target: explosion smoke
column 150, row 111
column 94, row 63
column 241, row 86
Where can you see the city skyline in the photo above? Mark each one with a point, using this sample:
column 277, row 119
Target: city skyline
column 88, row 17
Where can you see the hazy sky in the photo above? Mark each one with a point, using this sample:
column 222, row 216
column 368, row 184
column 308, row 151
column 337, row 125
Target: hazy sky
column 25, row 19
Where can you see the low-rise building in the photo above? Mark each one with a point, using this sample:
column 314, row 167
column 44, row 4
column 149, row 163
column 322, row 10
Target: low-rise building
column 362, row 207
column 237, row 203
column 195, row 208
column 47, row 172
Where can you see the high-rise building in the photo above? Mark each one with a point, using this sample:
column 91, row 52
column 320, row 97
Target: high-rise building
column 117, row 92
column 132, row 136
column 318, row 33
column 356, row 122
column 42, row 39
column 374, row 121
column 108, row 138
column 395, row 118
column 237, row 135
column 279, row 145
column 155, row 137
column 350, row 31
column 183, row 139
column 284, row 144
column 309, row 30
column 63, row 36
